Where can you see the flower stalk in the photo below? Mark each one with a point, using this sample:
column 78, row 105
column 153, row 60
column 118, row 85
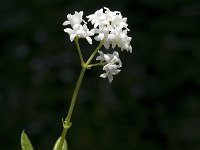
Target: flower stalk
column 67, row 123
column 79, row 51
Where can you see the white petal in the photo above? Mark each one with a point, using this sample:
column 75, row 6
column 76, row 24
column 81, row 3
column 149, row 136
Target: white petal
column 111, row 37
column 107, row 58
column 69, row 16
column 130, row 49
column 96, row 24
column 116, row 72
column 96, row 38
column 89, row 39
column 101, row 57
column 101, row 36
column 102, row 17
column 106, row 67
column 77, row 26
column 92, row 31
column 106, row 8
column 103, row 75
column 72, row 36
column 115, row 53
column 81, row 13
column 114, row 43
column 66, row 23
column 110, row 78
column 112, row 67
column 81, row 33
column 106, row 44
column 68, row 30
column 106, row 22
column 89, row 33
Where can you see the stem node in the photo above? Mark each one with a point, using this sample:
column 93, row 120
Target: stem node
column 66, row 124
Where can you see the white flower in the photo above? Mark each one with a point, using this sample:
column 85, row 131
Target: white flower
column 113, row 63
column 111, row 27
column 78, row 29
column 97, row 18
column 75, row 19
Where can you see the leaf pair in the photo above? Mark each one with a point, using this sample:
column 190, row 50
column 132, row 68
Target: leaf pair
column 26, row 144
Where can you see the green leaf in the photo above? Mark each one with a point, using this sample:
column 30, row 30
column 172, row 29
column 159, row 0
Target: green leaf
column 64, row 147
column 25, row 142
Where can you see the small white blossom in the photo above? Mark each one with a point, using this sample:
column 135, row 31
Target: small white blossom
column 78, row 29
column 113, row 63
column 97, row 18
column 75, row 19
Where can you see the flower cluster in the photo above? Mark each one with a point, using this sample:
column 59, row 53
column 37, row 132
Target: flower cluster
column 79, row 30
column 113, row 63
column 110, row 28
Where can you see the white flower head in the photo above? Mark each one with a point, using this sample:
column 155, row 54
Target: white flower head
column 78, row 29
column 113, row 63
column 111, row 27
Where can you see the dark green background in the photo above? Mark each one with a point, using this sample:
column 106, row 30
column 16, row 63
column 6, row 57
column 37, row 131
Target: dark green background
column 153, row 104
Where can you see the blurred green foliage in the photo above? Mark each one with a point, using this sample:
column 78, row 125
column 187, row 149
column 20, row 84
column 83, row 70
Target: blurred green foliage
column 154, row 103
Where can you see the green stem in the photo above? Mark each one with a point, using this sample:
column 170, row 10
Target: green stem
column 66, row 122
column 94, row 53
column 75, row 94
column 79, row 51
column 97, row 64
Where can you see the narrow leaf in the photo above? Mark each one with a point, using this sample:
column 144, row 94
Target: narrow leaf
column 64, row 147
column 25, row 142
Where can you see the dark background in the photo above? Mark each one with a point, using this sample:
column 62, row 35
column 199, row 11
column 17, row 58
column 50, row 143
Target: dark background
column 153, row 104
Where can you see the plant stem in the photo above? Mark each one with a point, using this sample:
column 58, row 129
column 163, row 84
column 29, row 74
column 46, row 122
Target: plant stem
column 97, row 64
column 79, row 51
column 75, row 94
column 94, row 53
column 66, row 122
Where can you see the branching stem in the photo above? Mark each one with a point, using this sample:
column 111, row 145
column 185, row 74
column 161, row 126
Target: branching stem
column 66, row 123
